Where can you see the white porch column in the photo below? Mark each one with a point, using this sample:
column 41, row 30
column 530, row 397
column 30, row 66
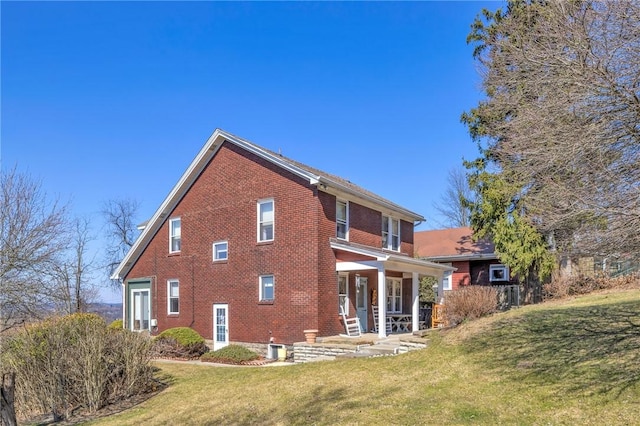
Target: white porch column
column 382, row 305
column 415, row 308
column 440, row 295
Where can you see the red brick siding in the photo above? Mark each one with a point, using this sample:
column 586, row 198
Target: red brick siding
column 365, row 225
column 328, row 318
column 221, row 205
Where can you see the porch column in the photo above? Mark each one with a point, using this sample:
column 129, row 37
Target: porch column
column 415, row 308
column 382, row 305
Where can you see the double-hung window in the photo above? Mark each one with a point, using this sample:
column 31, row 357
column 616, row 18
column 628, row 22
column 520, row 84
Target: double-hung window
column 174, row 235
column 173, row 296
column 220, row 251
column 342, row 219
column 266, row 288
column 394, row 295
column 343, row 294
column 390, row 233
column 265, row 220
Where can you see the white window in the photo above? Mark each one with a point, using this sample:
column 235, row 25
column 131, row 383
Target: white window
column 447, row 281
column 173, row 296
column 266, row 288
column 394, row 295
column 220, row 251
column 174, row 235
column 498, row 273
column 265, row 220
column 342, row 219
column 390, row 233
column 343, row 293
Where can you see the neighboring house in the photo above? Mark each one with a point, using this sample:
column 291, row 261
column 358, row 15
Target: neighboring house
column 252, row 247
column 476, row 262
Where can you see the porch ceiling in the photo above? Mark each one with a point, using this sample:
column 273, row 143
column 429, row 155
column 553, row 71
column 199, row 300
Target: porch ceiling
column 378, row 259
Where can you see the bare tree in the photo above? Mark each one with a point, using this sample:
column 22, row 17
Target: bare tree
column 453, row 204
column 561, row 123
column 121, row 230
column 32, row 237
column 72, row 285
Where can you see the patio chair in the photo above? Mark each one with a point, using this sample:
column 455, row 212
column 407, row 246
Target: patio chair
column 437, row 316
column 374, row 311
column 351, row 325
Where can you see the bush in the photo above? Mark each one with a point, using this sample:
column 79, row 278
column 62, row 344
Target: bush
column 470, row 303
column 116, row 325
column 561, row 287
column 232, row 354
column 63, row 363
column 179, row 342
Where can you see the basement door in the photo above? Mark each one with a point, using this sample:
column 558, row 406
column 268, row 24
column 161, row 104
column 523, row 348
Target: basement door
column 220, row 325
column 361, row 302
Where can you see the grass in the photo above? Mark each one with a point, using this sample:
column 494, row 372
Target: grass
column 570, row 362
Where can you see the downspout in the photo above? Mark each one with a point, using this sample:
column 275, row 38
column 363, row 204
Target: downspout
column 193, row 295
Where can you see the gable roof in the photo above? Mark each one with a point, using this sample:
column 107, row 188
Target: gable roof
column 451, row 244
column 324, row 181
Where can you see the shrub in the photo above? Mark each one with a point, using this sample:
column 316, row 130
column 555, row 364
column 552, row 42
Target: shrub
column 179, row 342
column 73, row 361
column 470, row 303
column 232, row 354
column 561, row 287
column 116, row 325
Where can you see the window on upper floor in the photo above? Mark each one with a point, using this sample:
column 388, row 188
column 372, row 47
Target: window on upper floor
column 267, row 288
column 342, row 219
column 220, row 251
column 174, row 235
column 343, row 293
column 266, row 220
column 498, row 273
column 390, row 233
column 173, row 296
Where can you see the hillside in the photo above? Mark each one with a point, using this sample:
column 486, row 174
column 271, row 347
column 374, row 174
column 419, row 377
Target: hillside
column 570, row 362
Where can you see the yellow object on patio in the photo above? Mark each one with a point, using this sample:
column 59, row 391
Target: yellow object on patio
column 437, row 316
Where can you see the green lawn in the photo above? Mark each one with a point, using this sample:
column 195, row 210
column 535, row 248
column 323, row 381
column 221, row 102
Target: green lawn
column 572, row 362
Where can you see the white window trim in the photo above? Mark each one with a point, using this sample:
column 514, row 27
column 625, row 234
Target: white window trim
column 273, row 222
column 226, row 250
column 498, row 266
column 390, row 233
column 395, row 281
column 171, row 236
column 169, row 282
column 447, row 281
column 260, row 286
column 346, row 222
column 132, row 308
column 346, row 301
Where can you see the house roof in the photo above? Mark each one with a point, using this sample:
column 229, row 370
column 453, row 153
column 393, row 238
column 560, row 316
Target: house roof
column 324, row 181
column 451, row 244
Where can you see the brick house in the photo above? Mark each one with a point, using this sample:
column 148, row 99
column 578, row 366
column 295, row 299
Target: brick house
column 476, row 262
column 252, row 247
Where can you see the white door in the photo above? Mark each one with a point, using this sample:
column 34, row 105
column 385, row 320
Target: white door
column 361, row 302
column 220, row 326
column 140, row 309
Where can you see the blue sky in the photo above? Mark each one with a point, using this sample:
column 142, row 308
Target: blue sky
column 105, row 100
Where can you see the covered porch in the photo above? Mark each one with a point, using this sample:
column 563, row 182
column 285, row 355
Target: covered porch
column 380, row 286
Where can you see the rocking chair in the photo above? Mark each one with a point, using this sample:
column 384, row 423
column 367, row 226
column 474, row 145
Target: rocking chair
column 351, row 325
